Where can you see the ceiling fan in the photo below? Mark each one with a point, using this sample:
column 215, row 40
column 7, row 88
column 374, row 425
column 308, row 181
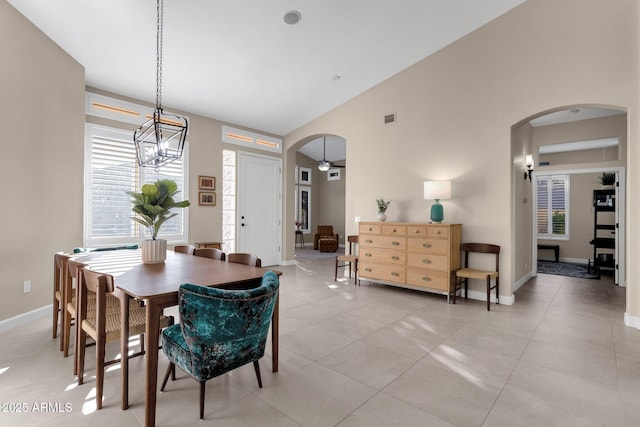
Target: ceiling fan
column 324, row 164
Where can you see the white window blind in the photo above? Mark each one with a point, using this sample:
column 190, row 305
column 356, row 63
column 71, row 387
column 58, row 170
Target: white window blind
column 110, row 170
column 553, row 207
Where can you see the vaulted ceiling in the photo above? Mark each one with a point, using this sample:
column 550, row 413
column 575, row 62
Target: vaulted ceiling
column 239, row 62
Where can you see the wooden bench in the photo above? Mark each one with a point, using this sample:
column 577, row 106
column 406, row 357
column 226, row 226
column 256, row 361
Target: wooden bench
column 556, row 249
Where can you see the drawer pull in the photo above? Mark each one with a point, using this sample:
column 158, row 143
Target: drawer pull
column 368, row 270
column 370, row 229
column 426, row 278
column 437, row 231
column 426, row 261
column 395, row 258
column 395, row 243
column 395, row 273
column 368, row 254
column 416, row 231
column 395, row 231
column 426, row 245
column 368, row 241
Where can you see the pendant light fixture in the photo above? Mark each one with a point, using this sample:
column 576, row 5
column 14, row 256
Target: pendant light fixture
column 160, row 140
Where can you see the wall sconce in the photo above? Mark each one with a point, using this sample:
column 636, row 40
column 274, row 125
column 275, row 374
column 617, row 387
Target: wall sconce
column 437, row 190
column 528, row 162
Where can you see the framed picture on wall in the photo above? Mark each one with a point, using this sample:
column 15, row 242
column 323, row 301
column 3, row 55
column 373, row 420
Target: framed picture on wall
column 207, row 198
column 305, row 176
column 333, row 174
column 207, row 182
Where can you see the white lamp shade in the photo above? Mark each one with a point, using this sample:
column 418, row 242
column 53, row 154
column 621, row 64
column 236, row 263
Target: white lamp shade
column 528, row 160
column 437, row 190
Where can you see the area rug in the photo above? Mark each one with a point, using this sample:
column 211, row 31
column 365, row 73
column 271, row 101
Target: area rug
column 565, row 269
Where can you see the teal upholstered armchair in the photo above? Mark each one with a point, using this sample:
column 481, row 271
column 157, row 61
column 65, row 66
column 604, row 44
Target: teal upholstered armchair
column 220, row 330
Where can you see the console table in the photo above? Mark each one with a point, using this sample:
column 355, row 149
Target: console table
column 411, row 255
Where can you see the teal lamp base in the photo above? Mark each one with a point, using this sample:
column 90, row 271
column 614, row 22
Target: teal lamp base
column 437, row 212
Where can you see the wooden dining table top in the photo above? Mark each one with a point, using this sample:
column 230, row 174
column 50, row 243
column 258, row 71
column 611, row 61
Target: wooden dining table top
column 145, row 281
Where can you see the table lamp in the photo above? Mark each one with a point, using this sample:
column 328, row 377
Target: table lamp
column 437, row 190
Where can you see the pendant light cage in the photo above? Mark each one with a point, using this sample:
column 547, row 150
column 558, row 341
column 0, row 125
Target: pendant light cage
column 160, row 140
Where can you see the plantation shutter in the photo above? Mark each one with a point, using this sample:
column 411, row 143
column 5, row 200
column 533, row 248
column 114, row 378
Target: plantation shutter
column 553, row 213
column 111, row 169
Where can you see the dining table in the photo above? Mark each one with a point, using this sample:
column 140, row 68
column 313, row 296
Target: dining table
column 157, row 286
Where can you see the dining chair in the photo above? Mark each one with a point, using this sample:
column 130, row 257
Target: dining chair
column 219, row 330
column 350, row 259
column 104, row 326
column 59, row 272
column 185, row 249
column 247, row 259
column 210, row 253
column 71, row 307
column 467, row 272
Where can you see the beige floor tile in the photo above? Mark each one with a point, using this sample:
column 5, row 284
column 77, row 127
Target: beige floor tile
column 374, row 355
column 444, row 393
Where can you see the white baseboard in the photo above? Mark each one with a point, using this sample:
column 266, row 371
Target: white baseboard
column 21, row 319
column 631, row 321
column 288, row 262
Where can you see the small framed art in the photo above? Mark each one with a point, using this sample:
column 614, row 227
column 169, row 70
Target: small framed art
column 207, row 182
column 207, row 198
column 333, row 174
column 305, row 176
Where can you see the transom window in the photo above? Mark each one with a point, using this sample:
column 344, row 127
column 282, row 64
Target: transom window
column 553, row 207
column 110, row 170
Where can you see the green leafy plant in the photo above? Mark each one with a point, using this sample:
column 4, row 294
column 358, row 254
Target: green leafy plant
column 382, row 204
column 154, row 203
column 607, row 178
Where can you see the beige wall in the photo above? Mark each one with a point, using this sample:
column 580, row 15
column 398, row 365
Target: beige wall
column 42, row 110
column 456, row 110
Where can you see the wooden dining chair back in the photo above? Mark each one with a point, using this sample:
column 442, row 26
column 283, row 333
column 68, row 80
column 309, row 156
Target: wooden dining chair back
column 210, row 253
column 464, row 274
column 104, row 325
column 60, row 261
column 247, row 259
column 350, row 259
column 185, row 249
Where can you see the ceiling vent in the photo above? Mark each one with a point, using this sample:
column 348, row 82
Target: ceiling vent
column 389, row 118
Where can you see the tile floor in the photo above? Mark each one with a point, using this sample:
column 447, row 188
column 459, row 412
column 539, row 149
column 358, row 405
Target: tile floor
column 375, row 356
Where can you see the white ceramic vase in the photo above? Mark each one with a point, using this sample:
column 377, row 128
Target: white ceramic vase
column 382, row 216
column 154, row 251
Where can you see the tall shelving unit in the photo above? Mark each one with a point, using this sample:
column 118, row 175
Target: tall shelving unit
column 604, row 229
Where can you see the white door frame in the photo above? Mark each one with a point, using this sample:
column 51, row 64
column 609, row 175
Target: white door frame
column 620, row 216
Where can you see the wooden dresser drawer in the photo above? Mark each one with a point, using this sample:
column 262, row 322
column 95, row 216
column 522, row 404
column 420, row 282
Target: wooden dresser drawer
column 438, row 231
column 384, row 242
column 369, row 229
column 394, row 230
column 391, row 273
column 433, row 246
column 428, row 278
column 416, row 231
column 388, row 256
column 427, row 260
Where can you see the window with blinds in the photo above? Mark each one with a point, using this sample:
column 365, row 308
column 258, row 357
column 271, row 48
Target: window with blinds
column 553, row 207
column 110, row 170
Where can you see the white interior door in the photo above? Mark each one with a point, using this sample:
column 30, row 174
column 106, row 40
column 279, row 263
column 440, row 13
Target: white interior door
column 259, row 207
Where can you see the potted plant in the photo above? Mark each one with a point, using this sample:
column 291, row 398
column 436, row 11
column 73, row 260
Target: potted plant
column 152, row 207
column 382, row 208
column 607, row 178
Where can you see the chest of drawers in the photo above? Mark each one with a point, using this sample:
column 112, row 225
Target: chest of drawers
column 411, row 255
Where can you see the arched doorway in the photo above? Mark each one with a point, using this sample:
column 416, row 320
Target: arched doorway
column 315, row 196
column 578, row 142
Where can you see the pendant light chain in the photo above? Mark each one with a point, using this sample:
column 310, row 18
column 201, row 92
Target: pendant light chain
column 159, row 26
